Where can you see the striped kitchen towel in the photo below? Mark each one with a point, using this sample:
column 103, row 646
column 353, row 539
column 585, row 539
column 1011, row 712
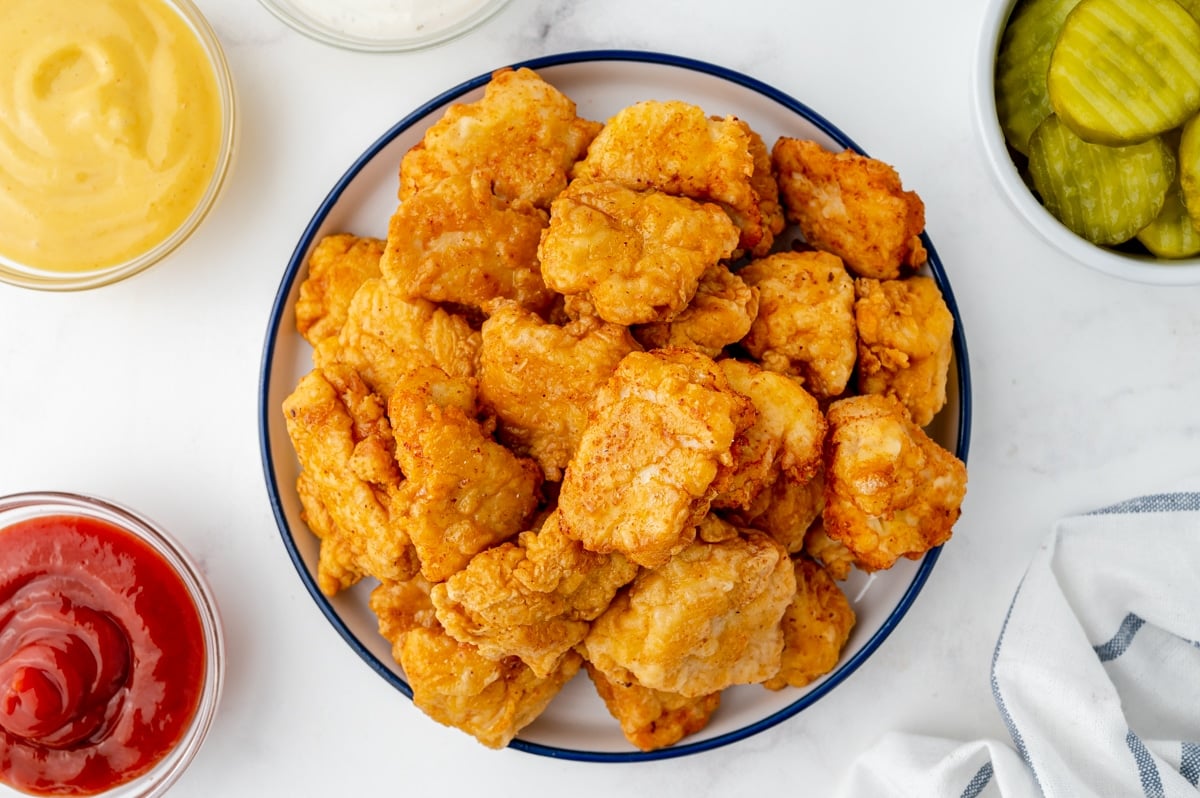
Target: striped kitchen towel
column 1096, row 673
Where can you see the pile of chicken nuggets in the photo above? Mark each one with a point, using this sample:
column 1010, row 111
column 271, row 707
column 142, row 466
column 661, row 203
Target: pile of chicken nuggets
column 585, row 408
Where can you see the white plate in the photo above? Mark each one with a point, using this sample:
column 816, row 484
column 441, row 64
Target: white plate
column 577, row 725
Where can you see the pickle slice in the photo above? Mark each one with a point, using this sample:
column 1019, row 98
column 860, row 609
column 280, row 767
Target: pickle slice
column 1022, row 59
column 1105, row 194
column 1171, row 234
column 1124, row 71
column 1192, row 7
column 1189, row 168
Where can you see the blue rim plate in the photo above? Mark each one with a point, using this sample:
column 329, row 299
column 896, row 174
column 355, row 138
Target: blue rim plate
column 576, row 725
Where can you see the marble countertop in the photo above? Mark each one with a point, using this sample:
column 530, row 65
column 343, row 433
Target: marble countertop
column 145, row 392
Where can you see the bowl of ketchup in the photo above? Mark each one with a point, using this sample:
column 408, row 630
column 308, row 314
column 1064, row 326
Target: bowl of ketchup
column 111, row 651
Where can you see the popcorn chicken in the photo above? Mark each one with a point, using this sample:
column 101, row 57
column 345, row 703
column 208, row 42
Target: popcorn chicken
column 890, row 491
column 833, row 555
column 523, row 132
column 720, row 313
column 905, row 342
column 652, row 719
column 659, row 435
column 816, row 626
column 706, row 619
column 637, row 255
column 338, row 265
column 852, row 206
column 805, row 323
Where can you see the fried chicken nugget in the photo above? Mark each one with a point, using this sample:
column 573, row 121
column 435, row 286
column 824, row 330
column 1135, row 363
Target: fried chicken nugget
column 533, row 599
column 338, row 265
column 904, row 342
column 719, row 314
column 524, row 132
column 786, row 510
column 452, row 682
column 706, row 619
column 805, row 323
column 890, row 490
column 538, row 378
column 468, row 492
column 785, row 438
column 385, row 337
column 834, row 557
column 652, row 719
column 344, row 444
column 457, row 241
column 638, row 255
column 816, row 626
column 852, row 206
column 659, row 436
column 674, row 147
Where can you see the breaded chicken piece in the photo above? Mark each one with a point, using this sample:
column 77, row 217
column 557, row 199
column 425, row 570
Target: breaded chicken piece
column 904, row 342
column 676, row 148
column 343, row 441
column 337, row 558
column 524, row 132
column 658, row 437
column 652, row 719
column 852, row 206
column 452, row 682
column 706, row 619
column 539, row 378
column 805, row 323
column 786, row 510
column 890, row 490
column 385, row 337
column 719, row 314
column 834, row 557
column 338, row 265
column 457, row 241
column 785, row 438
column 638, row 255
column 816, row 626
column 533, row 599
column 766, row 190
column 468, row 492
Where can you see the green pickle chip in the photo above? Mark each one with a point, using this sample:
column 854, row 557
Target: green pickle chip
column 1105, row 194
column 1124, row 71
column 1171, row 234
column 1189, row 167
column 1022, row 59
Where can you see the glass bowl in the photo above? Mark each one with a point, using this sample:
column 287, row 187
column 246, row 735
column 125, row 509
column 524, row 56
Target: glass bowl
column 383, row 26
column 1141, row 268
column 13, row 271
column 18, row 508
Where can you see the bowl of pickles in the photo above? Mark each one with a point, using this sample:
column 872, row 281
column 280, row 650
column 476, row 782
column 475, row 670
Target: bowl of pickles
column 1089, row 111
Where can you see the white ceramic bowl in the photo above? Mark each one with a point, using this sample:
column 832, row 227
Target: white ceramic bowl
column 1134, row 267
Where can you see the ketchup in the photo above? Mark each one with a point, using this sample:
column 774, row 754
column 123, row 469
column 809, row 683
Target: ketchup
column 102, row 656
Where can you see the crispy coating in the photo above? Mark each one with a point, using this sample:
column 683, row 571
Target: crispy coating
column 719, row 314
column 834, row 557
column 468, row 492
column 705, row 620
column 452, row 682
column 676, row 148
column 852, row 206
column 457, row 241
column 539, row 378
column 659, row 436
column 652, row 719
column 532, row 599
column 786, row 511
column 638, row 255
column 523, row 131
column 386, row 337
column 890, row 490
column 816, row 626
column 904, row 342
column 785, row 438
column 766, row 191
column 338, row 265
column 343, row 442
column 805, row 323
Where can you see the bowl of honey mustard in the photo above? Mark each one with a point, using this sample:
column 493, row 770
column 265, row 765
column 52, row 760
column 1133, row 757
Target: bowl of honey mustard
column 117, row 130
column 111, row 650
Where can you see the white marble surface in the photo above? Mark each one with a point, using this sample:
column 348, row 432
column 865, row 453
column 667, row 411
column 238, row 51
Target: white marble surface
column 1085, row 392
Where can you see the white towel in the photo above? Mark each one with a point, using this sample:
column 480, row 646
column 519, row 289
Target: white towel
column 1096, row 673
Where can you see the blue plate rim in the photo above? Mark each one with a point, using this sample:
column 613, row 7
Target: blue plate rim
column 296, row 264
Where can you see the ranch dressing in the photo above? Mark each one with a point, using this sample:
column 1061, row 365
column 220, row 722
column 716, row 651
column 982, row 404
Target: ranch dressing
column 389, row 19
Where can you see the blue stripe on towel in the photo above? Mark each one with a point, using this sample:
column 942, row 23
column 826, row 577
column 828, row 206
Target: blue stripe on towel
column 978, row 782
column 1121, row 640
column 1157, row 503
column 1147, row 770
column 1009, row 723
column 1189, row 763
